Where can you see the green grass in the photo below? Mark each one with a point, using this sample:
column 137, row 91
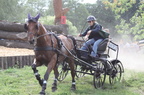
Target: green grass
column 22, row 82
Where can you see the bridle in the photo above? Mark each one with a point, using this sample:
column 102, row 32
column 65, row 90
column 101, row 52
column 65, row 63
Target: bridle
column 36, row 36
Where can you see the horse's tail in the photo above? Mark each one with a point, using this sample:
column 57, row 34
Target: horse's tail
column 74, row 42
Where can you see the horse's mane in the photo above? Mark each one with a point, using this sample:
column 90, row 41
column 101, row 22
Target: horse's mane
column 74, row 41
column 42, row 28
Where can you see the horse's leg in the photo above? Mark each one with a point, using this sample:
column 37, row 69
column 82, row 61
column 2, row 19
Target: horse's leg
column 37, row 75
column 56, row 73
column 50, row 67
column 71, row 64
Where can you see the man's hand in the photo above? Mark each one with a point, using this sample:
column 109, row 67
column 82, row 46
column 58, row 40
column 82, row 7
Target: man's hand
column 86, row 37
column 79, row 35
column 88, row 33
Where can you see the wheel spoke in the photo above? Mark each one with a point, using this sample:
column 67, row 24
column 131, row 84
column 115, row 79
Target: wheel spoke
column 81, row 70
column 99, row 75
column 63, row 71
column 116, row 74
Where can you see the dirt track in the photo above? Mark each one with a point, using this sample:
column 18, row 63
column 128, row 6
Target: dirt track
column 4, row 51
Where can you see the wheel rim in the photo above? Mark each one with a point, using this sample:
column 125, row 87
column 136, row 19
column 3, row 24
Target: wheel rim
column 99, row 75
column 80, row 71
column 116, row 74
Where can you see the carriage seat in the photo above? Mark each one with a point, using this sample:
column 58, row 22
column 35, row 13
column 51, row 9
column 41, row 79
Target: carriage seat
column 84, row 54
column 102, row 46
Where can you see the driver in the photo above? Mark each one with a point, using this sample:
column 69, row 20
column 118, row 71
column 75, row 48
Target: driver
column 93, row 36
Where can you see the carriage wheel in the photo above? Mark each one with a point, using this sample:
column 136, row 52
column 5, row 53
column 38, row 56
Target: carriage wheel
column 63, row 71
column 80, row 71
column 99, row 75
column 116, row 74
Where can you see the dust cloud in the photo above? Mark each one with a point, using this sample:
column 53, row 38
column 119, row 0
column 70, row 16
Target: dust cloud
column 132, row 58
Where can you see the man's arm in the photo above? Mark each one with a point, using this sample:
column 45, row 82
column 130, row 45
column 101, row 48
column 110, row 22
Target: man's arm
column 85, row 33
column 97, row 29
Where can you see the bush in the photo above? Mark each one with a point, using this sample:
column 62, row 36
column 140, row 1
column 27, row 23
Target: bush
column 49, row 20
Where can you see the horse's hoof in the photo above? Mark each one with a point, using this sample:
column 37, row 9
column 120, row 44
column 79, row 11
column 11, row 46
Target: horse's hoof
column 73, row 87
column 42, row 93
column 54, row 89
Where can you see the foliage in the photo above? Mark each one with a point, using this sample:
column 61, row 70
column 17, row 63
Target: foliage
column 77, row 13
column 23, row 82
column 36, row 6
column 72, row 29
column 104, row 15
column 49, row 20
column 10, row 10
column 17, row 10
column 130, row 14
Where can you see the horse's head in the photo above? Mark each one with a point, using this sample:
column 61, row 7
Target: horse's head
column 32, row 27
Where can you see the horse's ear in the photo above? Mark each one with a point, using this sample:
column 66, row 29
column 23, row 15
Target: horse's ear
column 37, row 17
column 29, row 16
column 25, row 26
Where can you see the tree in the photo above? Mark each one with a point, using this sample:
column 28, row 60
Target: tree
column 130, row 14
column 36, row 6
column 59, row 11
column 104, row 15
column 10, row 10
column 77, row 13
column 49, row 20
column 17, row 10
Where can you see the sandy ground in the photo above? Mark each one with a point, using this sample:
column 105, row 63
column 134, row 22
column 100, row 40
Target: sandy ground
column 5, row 51
column 133, row 61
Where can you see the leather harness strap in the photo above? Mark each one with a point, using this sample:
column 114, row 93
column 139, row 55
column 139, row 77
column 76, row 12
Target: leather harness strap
column 48, row 48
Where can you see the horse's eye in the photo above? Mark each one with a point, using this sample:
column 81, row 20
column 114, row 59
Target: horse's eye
column 25, row 26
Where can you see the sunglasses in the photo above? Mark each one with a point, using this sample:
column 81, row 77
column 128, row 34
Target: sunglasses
column 89, row 21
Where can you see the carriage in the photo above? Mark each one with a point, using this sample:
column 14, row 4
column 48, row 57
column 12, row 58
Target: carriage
column 99, row 68
column 51, row 50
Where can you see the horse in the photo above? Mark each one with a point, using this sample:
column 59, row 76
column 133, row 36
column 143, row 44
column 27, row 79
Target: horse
column 49, row 50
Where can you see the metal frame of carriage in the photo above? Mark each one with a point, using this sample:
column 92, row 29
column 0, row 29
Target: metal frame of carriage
column 98, row 67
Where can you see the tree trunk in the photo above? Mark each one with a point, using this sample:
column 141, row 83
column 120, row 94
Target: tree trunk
column 59, row 11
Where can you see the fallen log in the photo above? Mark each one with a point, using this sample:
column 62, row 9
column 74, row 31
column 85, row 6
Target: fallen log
column 11, row 27
column 63, row 28
column 18, row 27
column 13, row 35
column 15, row 44
column 20, row 44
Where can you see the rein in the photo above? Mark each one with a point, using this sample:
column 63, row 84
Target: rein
column 43, row 35
column 35, row 39
column 51, row 48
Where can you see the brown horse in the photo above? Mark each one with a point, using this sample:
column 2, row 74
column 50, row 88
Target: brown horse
column 49, row 50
